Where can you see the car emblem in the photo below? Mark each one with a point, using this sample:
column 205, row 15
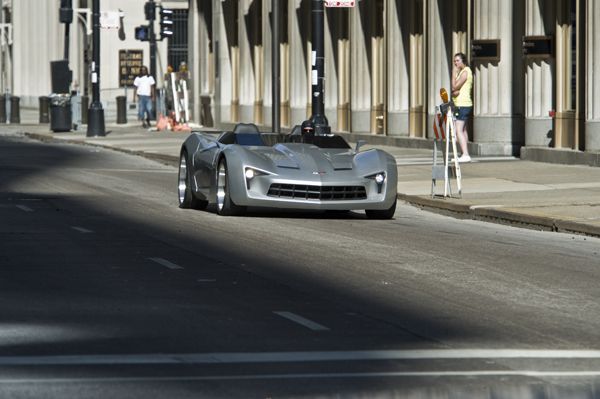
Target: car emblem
column 319, row 172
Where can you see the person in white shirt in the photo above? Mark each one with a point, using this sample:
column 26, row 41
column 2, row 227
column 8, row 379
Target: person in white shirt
column 144, row 92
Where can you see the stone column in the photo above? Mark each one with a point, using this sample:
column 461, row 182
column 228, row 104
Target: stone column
column 498, row 86
column 296, row 102
column 565, row 108
column 226, row 82
column 247, row 84
column 439, row 54
column 417, row 126
column 592, row 80
column 539, row 21
column 360, row 88
column 399, row 45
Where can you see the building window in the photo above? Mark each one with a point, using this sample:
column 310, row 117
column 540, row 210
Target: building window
column 178, row 43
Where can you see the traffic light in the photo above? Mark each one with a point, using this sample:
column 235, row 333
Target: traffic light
column 150, row 10
column 142, row 33
column 65, row 14
column 166, row 23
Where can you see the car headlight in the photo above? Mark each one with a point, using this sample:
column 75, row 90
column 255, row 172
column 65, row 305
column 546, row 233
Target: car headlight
column 379, row 179
column 251, row 173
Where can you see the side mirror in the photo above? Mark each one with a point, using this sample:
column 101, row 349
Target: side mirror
column 359, row 144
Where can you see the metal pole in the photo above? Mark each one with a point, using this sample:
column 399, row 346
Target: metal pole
column 321, row 125
column 276, row 76
column 67, row 30
column 152, row 55
column 152, row 45
column 96, row 113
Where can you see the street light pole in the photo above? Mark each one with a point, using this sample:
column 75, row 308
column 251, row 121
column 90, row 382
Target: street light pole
column 152, row 37
column 320, row 123
column 276, row 75
column 96, row 113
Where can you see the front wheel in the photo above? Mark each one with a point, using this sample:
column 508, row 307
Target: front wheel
column 381, row 213
column 187, row 199
column 225, row 205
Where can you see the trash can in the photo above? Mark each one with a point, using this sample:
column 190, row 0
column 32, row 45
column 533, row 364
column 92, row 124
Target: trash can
column 121, row 109
column 2, row 109
column 44, row 109
column 60, row 113
column 85, row 105
column 15, row 110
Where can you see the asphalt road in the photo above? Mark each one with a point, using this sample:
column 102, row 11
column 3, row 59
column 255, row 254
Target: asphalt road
column 108, row 289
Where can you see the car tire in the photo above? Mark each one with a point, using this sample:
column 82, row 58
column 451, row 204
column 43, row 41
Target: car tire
column 382, row 213
column 187, row 199
column 225, row 205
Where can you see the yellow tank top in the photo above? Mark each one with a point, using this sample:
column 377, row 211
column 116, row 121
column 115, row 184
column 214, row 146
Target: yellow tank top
column 464, row 98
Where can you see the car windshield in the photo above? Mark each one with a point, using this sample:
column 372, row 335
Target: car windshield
column 249, row 139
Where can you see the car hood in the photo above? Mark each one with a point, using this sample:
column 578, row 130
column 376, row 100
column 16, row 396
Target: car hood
column 307, row 157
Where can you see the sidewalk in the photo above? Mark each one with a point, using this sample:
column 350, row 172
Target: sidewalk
column 506, row 190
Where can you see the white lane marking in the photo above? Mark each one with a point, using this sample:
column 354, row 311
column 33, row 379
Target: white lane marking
column 396, row 374
column 297, row 357
column 302, row 321
column 24, row 208
column 81, row 229
column 165, row 263
column 206, row 280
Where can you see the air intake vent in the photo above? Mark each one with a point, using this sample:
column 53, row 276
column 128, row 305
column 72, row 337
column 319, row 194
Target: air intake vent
column 317, row 193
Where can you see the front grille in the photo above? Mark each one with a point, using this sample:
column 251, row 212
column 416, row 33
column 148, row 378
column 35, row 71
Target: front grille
column 321, row 193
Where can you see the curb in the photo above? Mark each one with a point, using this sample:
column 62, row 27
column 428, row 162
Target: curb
column 500, row 216
column 166, row 159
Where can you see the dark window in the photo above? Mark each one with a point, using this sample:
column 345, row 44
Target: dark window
column 178, row 43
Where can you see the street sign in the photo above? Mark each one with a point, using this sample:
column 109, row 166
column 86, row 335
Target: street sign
column 130, row 62
column 339, row 3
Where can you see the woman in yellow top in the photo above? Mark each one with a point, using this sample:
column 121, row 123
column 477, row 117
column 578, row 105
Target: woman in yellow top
column 462, row 86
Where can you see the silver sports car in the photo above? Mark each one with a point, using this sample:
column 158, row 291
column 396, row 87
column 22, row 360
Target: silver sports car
column 237, row 169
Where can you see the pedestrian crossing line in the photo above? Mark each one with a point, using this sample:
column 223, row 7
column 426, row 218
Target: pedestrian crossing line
column 166, row 263
column 81, row 229
column 24, row 208
column 302, row 321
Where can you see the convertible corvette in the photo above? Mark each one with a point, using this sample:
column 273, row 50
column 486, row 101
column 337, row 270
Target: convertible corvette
column 237, row 169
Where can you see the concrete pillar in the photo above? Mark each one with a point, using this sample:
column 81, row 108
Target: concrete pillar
column 539, row 100
column 247, row 83
column 399, row 45
column 298, row 61
column 439, row 53
column 226, row 90
column 592, row 80
column 565, row 101
column 194, row 28
column 498, row 86
column 330, row 84
column 417, row 126
column 360, row 88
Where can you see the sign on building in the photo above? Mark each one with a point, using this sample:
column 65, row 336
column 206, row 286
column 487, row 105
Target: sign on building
column 130, row 62
column 339, row 3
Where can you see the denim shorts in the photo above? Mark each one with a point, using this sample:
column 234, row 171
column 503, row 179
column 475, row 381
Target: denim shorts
column 462, row 113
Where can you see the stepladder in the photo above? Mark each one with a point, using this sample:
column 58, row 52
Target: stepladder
column 444, row 143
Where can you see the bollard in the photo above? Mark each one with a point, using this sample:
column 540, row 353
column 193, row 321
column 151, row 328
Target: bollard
column 2, row 109
column 15, row 110
column 85, row 104
column 121, row 109
column 44, row 109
